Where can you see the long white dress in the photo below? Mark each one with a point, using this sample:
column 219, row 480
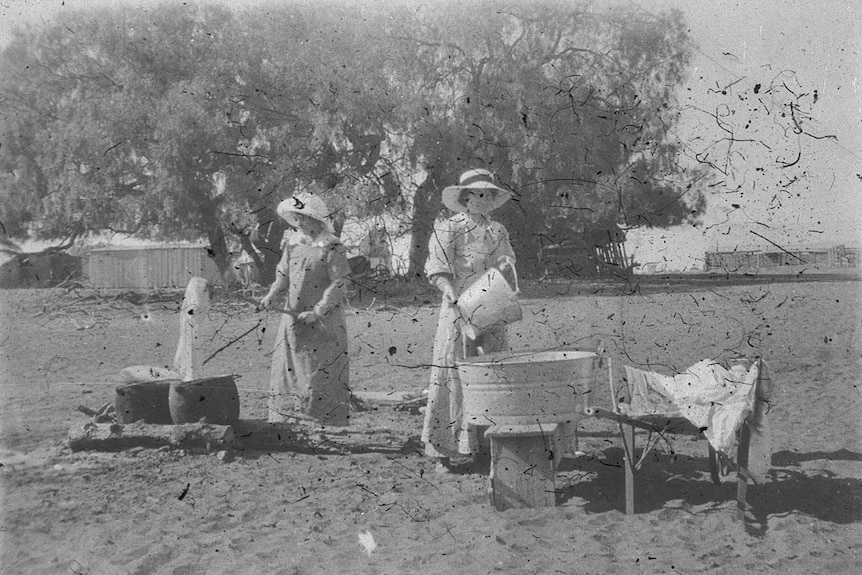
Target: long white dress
column 310, row 375
column 462, row 248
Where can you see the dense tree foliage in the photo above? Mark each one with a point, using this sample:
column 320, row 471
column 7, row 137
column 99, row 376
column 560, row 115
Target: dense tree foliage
column 194, row 121
column 570, row 107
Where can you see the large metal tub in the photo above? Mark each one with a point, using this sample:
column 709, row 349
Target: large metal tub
column 518, row 388
column 213, row 398
column 145, row 401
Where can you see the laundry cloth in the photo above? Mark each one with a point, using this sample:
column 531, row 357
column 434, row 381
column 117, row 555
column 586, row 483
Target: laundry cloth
column 713, row 398
column 196, row 303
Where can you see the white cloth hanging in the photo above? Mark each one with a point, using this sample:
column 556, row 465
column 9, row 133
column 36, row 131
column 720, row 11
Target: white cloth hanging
column 196, row 302
column 713, row 398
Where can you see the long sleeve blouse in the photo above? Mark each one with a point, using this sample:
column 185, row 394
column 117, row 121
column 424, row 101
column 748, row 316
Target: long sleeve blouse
column 464, row 247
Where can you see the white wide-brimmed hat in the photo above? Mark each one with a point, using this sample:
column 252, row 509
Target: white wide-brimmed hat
column 307, row 204
column 474, row 180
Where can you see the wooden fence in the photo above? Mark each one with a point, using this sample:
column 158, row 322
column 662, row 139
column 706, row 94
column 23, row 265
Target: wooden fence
column 573, row 260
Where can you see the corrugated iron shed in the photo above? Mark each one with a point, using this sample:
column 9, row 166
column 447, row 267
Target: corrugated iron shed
column 152, row 267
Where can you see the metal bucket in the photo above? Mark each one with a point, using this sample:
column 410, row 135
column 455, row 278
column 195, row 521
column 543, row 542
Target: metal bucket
column 145, row 401
column 490, row 301
column 507, row 388
column 213, row 398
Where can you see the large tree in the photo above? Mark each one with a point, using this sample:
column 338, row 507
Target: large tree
column 572, row 108
column 186, row 121
column 119, row 122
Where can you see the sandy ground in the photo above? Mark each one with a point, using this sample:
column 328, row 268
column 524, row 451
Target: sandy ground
column 145, row 511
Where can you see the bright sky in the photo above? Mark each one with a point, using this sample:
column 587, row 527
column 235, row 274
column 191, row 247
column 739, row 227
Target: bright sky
column 809, row 45
column 751, row 42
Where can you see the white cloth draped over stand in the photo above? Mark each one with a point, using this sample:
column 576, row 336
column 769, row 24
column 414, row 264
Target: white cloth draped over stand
column 713, row 398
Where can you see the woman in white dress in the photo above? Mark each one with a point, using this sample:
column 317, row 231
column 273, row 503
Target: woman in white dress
column 462, row 248
column 310, row 376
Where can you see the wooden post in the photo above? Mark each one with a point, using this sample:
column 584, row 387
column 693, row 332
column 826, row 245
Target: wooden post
column 523, row 465
column 742, row 469
column 714, row 465
column 628, row 433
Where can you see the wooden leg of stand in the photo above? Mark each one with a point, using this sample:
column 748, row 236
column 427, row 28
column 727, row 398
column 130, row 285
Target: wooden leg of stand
column 742, row 464
column 714, row 466
column 628, row 433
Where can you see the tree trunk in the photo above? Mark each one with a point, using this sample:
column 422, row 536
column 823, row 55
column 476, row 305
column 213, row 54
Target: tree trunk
column 426, row 206
column 218, row 250
column 270, row 247
column 527, row 233
column 267, row 241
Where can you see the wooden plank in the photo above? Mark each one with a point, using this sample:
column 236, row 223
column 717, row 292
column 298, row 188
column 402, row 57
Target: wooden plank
column 651, row 422
column 243, row 434
column 387, row 397
column 522, row 472
column 523, row 430
column 264, row 436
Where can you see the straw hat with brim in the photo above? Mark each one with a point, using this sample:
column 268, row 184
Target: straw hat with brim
column 474, row 180
column 306, row 204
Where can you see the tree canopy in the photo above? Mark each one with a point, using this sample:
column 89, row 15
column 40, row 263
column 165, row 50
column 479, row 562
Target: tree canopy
column 192, row 121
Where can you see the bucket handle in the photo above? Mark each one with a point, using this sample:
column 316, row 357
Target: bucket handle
column 511, row 263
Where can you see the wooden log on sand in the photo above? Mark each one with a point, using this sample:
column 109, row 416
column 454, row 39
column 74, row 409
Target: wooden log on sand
column 261, row 435
column 255, row 435
column 116, row 437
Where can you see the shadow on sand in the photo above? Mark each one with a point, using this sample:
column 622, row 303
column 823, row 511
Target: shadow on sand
column 816, row 493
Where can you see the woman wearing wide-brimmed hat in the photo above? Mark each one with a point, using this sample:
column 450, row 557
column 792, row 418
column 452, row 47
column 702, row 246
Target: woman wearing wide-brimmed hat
column 462, row 248
column 310, row 371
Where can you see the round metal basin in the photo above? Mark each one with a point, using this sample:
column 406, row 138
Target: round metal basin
column 213, row 398
column 516, row 388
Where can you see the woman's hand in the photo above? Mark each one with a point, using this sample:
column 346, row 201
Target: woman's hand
column 444, row 284
column 308, row 317
column 266, row 302
column 449, row 294
column 505, row 263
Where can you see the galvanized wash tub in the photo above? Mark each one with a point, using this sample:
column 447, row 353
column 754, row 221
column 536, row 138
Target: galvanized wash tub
column 213, row 398
column 519, row 388
column 145, row 401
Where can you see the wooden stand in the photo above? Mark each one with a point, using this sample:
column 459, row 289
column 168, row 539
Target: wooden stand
column 523, row 465
column 633, row 462
column 629, row 424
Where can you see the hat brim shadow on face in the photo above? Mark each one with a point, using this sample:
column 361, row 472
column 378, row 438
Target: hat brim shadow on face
column 453, row 196
column 293, row 221
column 306, row 205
